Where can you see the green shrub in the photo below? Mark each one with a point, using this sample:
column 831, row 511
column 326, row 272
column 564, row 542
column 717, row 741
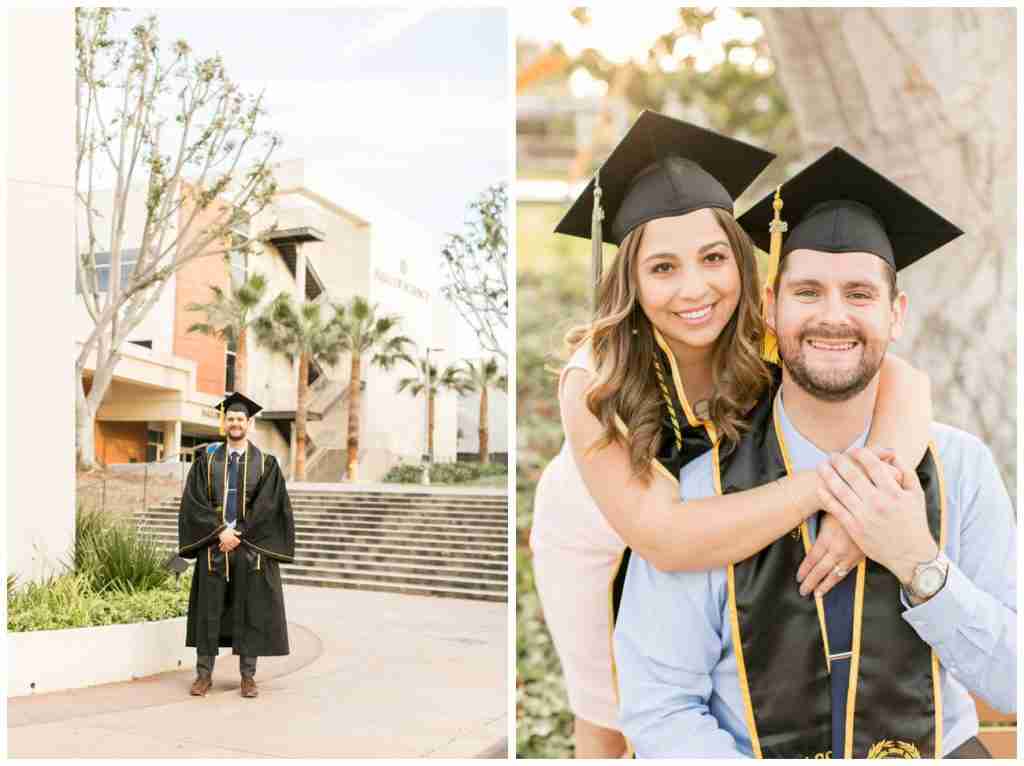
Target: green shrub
column 70, row 601
column 114, row 555
column 444, row 473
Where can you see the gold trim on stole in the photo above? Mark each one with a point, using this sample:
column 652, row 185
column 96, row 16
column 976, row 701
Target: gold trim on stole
column 805, row 534
column 936, row 675
column 851, row 691
column 224, row 503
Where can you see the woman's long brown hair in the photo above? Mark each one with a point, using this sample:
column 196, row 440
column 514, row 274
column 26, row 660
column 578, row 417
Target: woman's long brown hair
column 626, row 384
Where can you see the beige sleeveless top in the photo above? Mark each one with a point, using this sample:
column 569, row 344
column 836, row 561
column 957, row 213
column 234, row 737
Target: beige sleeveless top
column 564, row 514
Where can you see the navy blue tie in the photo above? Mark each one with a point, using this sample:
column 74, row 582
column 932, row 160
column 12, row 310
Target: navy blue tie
column 839, row 622
column 232, row 489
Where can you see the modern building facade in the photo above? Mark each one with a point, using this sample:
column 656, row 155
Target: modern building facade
column 329, row 244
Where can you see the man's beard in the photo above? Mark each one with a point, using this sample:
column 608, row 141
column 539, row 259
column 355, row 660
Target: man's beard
column 831, row 384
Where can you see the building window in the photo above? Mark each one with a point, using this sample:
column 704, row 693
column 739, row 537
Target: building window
column 143, row 343
column 229, row 375
column 190, row 443
column 154, row 446
column 128, row 260
column 239, row 263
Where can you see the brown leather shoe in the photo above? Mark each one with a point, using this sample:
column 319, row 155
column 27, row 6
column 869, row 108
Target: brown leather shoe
column 249, row 687
column 200, row 686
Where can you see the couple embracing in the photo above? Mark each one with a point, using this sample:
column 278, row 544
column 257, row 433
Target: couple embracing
column 755, row 541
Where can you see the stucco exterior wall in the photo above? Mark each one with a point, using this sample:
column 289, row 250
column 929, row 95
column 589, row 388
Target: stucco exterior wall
column 40, row 226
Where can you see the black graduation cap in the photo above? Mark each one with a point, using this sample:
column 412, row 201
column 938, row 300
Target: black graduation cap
column 840, row 205
column 239, row 402
column 664, row 167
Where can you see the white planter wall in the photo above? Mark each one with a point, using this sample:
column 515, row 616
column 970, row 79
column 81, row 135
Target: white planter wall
column 51, row 660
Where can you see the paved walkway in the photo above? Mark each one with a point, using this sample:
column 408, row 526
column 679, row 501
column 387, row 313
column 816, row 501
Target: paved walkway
column 370, row 675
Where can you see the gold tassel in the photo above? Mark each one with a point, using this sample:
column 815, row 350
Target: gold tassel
column 596, row 239
column 770, row 345
column 221, row 408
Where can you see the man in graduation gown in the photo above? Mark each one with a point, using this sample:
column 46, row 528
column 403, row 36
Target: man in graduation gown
column 236, row 522
column 735, row 662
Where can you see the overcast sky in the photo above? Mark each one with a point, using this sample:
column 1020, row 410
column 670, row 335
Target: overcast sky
column 412, row 107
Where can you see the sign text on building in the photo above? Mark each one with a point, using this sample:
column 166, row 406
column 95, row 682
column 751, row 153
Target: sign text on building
column 401, row 284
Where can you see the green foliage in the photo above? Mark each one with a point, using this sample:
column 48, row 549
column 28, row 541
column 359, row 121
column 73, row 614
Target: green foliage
column 298, row 330
column 444, row 473
column 71, row 601
column 544, row 723
column 552, row 298
column 112, row 555
column 476, row 269
column 228, row 314
column 362, row 329
column 452, row 378
column 484, row 374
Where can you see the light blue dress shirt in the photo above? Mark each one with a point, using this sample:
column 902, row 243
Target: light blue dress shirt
column 678, row 688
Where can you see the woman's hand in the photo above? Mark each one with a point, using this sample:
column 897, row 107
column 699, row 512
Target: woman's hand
column 833, row 556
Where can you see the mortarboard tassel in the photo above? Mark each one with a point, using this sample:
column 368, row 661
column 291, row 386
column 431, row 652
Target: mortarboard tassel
column 596, row 239
column 770, row 345
column 221, row 408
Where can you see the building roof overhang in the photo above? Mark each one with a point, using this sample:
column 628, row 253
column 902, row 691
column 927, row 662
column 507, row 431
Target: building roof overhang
column 295, row 236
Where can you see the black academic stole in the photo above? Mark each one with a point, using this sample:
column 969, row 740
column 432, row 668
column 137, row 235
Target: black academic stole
column 250, row 470
column 894, row 703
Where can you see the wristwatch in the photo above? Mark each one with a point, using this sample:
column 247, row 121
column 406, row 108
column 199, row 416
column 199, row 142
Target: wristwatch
column 928, row 578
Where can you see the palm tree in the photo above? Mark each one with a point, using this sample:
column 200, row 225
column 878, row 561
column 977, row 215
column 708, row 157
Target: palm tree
column 299, row 332
column 362, row 331
column 229, row 317
column 451, row 379
column 481, row 377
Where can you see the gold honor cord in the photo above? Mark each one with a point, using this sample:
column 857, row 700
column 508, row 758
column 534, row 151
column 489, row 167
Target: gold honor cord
column 659, row 468
column 770, row 344
column 596, row 240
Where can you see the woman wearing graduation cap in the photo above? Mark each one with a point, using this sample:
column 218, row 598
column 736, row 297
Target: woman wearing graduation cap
column 236, row 522
column 670, row 364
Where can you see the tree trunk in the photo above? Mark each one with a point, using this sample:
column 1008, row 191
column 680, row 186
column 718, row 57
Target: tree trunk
column 485, row 454
column 355, row 391
column 240, row 366
column 300, row 419
column 85, row 427
column 430, row 425
column 928, row 97
column 88, row 405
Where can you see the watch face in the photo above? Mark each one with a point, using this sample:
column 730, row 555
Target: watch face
column 929, row 581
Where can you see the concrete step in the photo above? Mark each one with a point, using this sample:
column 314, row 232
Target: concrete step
column 383, row 527
column 397, row 497
column 355, row 573
column 415, row 590
column 314, row 517
column 396, row 568
column 418, row 543
column 170, row 540
column 502, row 507
column 495, row 563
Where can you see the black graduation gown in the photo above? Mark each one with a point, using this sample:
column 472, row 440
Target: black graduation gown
column 236, row 599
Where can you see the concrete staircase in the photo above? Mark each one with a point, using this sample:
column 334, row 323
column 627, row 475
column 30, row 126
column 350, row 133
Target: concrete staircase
column 425, row 542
